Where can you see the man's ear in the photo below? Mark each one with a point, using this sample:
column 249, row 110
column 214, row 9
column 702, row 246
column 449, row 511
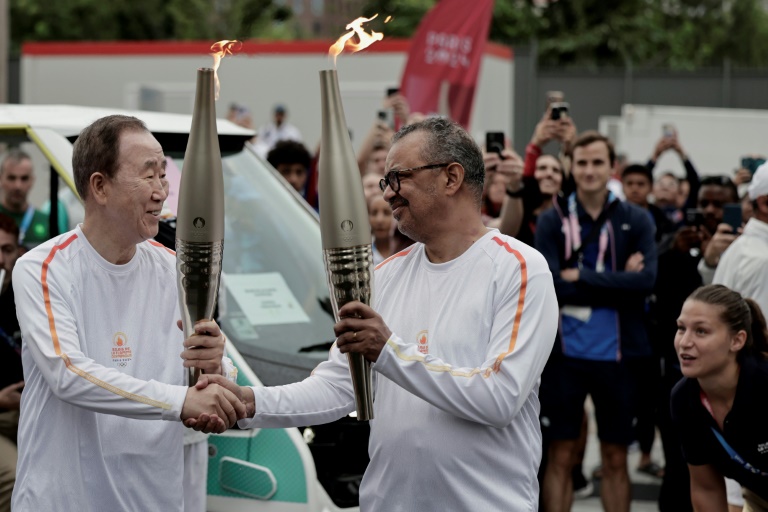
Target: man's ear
column 455, row 174
column 97, row 188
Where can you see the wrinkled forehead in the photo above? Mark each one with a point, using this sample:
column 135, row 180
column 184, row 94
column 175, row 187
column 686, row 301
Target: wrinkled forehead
column 140, row 148
column 406, row 152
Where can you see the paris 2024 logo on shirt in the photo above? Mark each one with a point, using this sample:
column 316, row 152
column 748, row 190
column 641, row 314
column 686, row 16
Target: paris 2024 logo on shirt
column 121, row 352
column 422, row 340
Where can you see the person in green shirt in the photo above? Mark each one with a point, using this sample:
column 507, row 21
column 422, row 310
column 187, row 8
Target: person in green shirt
column 17, row 176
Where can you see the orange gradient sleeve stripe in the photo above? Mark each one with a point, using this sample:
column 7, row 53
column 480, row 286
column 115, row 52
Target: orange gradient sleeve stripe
column 520, row 300
column 46, row 294
column 57, row 347
column 158, row 244
column 398, row 255
column 483, row 372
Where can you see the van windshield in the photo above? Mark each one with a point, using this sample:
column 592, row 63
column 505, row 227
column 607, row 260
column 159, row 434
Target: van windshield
column 275, row 305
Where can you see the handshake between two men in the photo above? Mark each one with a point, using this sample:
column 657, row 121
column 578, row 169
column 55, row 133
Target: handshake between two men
column 215, row 403
column 214, row 395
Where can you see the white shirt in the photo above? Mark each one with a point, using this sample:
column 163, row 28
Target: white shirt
column 456, row 403
column 377, row 257
column 100, row 352
column 270, row 134
column 743, row 267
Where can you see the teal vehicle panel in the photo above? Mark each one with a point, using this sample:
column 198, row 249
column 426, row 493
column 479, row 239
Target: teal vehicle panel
column 271, row 448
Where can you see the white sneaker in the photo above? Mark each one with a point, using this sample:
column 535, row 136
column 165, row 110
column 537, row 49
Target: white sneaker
column 585, row 492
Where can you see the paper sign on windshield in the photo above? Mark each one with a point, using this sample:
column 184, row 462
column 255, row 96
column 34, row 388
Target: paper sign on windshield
column 266, row 299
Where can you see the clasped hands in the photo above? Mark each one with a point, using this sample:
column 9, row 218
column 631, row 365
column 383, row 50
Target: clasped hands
column 215, row 396
column 222, row 402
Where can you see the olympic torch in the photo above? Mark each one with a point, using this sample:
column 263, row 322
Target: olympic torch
column 200, row 219
column 344, row 226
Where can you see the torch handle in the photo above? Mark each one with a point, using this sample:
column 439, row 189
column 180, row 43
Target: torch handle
column 198, row 270
column 350, row 278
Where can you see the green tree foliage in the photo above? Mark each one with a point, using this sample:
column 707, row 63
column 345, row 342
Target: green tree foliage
column 100, row 20
column 406, row 15
column 677, row 34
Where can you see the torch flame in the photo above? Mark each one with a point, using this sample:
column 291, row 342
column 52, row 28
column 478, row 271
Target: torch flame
column 220, row 50
column 364, row 39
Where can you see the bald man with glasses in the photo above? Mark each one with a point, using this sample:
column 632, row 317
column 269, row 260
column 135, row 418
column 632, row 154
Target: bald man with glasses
column 459, row 331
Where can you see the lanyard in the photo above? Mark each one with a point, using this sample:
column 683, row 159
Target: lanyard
column 573, row 235
column 25, row 222
column 727, row 447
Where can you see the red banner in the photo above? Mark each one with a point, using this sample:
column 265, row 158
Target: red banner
column 444, row 60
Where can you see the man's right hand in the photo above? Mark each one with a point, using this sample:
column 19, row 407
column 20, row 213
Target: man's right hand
column 212, row 423
column 10, row 396
column 213, row 400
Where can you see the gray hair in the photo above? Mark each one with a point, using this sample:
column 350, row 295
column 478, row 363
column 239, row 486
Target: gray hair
column 447, row 141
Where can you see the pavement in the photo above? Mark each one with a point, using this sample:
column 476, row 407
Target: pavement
column 645, row 488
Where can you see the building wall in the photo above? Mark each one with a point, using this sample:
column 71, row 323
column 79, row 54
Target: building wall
column 596, row 93
column 135, row 76
column 714, row 138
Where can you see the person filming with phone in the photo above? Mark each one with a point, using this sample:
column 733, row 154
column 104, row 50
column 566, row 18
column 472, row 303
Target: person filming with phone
column 555, row 125
column 503, row 175
column 543, row 176
column 669, row 192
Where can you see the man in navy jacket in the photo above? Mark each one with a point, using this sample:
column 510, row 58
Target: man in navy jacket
column 602, row 280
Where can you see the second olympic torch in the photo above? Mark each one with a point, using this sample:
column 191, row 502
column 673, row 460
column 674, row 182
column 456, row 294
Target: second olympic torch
column 344, row 227
column 200, row 220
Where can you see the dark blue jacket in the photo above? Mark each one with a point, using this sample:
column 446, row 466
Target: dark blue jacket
column 630, row 230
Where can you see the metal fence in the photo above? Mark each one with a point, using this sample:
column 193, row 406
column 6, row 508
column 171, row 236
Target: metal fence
column 599, row 92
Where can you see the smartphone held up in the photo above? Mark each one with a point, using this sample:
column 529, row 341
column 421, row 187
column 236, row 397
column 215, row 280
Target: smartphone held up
column 732, row 215
column 494, row 142
column 559, row 110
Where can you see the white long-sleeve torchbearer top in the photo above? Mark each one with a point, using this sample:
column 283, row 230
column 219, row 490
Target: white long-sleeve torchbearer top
column 101, row 351
column 456, row 388
column 743, row 265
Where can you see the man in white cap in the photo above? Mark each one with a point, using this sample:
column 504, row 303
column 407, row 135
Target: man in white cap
column 742, row 266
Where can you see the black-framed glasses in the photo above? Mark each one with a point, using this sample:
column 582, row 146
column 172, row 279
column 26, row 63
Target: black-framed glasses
column 392, row 178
